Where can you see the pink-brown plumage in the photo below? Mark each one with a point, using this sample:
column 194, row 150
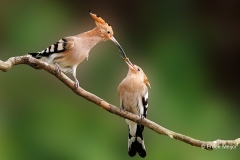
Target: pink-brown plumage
column 70, row 51
column 133, row 93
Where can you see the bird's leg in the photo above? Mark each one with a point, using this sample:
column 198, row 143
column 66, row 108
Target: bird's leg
column 58, row 68
column 76, row 83
column 75, row 78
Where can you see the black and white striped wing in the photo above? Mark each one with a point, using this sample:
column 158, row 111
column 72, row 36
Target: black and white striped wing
column 58, row 47
column 135, row 137
column 144, row 104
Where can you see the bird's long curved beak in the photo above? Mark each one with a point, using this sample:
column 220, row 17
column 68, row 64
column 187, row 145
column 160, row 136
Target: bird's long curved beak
column 129, row 63
column 119, row 46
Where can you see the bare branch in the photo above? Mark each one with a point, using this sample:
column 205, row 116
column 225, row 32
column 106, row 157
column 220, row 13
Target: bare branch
column 29, row 60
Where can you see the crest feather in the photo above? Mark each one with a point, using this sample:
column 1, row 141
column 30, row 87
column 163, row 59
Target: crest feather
column 97, row 18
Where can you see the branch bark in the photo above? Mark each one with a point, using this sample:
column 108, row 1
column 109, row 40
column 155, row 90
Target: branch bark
column 35, row 63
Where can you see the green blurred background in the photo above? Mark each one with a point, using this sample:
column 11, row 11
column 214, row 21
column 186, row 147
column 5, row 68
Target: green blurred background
column 188, row 49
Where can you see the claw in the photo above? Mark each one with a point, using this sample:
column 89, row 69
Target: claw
column 58, row 69
column 122, row 109
column 141, row 117
column 76, row 84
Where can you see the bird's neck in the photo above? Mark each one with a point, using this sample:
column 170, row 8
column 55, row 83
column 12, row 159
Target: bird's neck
column 91, row 38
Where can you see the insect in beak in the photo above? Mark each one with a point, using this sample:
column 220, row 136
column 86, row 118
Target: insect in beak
column 130, row 65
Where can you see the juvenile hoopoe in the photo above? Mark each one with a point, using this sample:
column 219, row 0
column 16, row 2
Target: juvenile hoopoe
column 70, row 51
column 133, row 93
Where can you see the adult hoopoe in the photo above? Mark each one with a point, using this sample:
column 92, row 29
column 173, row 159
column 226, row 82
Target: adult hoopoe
column 70, row 51
column 133, row 93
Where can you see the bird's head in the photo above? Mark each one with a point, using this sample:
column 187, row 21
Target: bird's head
column 105, row 30
column 136, row 70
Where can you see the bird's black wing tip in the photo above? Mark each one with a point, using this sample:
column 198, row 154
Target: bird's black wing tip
column 33, row 54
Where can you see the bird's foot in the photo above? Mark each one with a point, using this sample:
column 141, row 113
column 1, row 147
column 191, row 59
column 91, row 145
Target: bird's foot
column 76, row 84
column 141, row 117
column 58, row 69
column 122, row 109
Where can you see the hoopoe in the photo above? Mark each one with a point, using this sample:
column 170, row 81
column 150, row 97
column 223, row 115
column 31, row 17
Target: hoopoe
column 70, row 51
column 133, row 93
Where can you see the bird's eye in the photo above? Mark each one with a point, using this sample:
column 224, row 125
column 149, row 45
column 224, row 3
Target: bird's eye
column 139, row 69
column 108, row 32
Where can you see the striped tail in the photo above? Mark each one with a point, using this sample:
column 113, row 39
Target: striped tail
column 136, row 143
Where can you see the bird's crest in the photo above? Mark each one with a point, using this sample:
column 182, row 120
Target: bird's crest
column 106, row 31
column 97, row 19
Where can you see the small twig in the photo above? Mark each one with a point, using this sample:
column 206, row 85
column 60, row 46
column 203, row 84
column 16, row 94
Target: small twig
column 29, row 60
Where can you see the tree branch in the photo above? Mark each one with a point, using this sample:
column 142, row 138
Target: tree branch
column 29, row 60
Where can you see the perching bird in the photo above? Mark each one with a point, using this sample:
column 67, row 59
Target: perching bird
column 133, row 93
column 70, row 51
